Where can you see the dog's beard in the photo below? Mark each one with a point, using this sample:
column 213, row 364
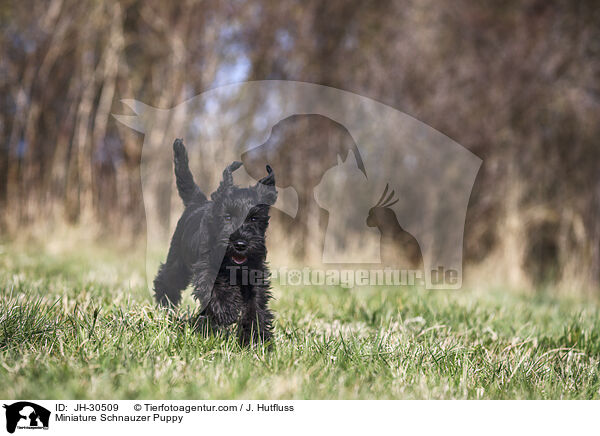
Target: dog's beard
column 253, row 256
column 248, row 258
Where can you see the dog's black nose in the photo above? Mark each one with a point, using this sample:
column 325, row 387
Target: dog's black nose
column 240, row 245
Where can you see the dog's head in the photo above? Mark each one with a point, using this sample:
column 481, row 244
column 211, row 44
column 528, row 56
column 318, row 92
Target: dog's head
column 242, row 215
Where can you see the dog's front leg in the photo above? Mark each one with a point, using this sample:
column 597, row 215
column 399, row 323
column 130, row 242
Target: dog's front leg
column 203, row 281
column 220, row 301
column 255, row 324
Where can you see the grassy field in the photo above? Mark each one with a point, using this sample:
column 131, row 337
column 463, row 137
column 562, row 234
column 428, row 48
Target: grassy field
column 83, row 325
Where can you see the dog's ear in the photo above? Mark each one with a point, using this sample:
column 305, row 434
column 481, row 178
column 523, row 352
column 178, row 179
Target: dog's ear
column 228, row 172
column 266, row 188
column 270, row 179
column 227, row 181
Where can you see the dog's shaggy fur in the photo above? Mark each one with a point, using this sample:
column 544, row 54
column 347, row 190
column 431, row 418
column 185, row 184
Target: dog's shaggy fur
column 214, row 243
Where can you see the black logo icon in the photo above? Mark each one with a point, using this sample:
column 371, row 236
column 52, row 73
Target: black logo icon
column 26, row 415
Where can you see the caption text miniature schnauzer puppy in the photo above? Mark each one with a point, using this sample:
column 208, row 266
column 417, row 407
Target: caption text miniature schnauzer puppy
column 214, row 243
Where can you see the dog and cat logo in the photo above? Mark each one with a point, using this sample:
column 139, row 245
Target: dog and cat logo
column 334, row 153
column 26, row 415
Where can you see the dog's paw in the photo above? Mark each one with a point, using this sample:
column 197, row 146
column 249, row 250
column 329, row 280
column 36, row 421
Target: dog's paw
column 202, row 294
column 200, row 324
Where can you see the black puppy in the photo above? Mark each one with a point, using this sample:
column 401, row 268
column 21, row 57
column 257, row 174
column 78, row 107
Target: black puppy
column 219, row 246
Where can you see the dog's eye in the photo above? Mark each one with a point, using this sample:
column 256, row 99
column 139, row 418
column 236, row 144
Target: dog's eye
column 253, row 219
column 227, row 217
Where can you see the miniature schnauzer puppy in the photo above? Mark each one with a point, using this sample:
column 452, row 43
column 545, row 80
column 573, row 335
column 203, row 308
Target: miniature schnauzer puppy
column 215, row 241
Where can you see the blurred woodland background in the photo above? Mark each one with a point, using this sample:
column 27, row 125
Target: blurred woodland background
column 515, row 82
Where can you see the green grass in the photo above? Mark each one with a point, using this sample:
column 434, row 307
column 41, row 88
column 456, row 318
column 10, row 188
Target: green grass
column 83, row 325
